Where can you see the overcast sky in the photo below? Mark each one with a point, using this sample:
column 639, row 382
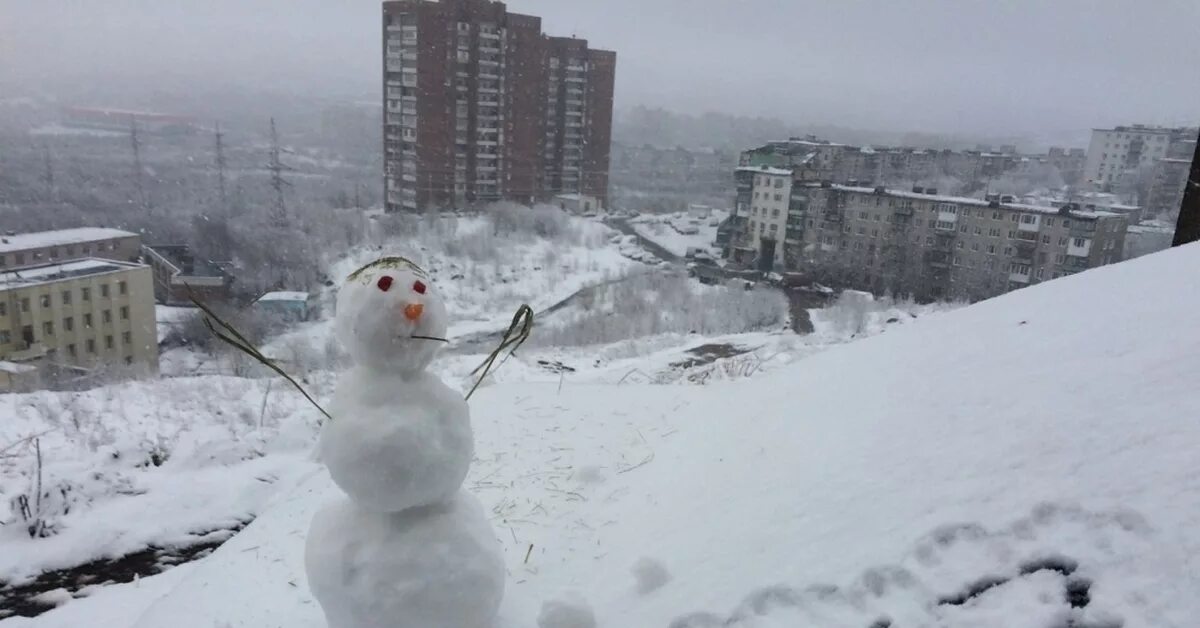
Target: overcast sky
column 1002, row 67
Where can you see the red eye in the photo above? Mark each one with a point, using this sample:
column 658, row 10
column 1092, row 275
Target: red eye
column 384, row 283
column 419, row 288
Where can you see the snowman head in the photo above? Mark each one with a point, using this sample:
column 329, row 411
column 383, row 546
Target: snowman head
column 390, row 316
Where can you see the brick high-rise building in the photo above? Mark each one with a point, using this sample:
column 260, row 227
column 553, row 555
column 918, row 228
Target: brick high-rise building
column 479, row 105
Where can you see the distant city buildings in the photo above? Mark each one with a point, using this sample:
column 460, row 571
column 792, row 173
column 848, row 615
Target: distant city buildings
column 814, row 159
column 122, row 120
column 916, row 242
column 480, row 105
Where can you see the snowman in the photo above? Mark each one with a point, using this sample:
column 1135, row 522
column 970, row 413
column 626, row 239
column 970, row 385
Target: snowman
column 406, row 547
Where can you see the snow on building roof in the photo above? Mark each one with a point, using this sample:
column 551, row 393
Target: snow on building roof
column 569, row 196
column 1145, row 228
column 14, row 368
column 61, row 272
column 766, row 170
column 967, row 200
column 283, row 295
column 24, row 241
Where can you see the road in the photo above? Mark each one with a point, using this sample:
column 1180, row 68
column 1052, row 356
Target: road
column 622, row 225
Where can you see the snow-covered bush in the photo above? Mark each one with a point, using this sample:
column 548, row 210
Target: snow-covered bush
column 659, row 303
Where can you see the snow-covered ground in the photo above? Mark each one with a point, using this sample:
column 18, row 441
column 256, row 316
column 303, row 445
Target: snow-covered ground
column 680, row 231
column 1011, row 464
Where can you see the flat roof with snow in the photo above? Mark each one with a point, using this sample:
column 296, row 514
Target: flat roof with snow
column 765, row 170
column 51, row 273
column 24, row 241
column 967, row 200
column 15, row 369
column 283, row 295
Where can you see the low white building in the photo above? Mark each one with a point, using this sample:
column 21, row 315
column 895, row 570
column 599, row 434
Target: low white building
column 578, row 204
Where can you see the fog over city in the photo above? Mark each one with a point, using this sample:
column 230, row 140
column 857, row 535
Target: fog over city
column 1027, row 68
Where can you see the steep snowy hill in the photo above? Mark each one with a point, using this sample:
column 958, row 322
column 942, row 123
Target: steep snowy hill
column 1027, row 462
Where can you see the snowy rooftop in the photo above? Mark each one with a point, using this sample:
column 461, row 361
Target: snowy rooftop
column 284, row 296
column 977, row 202
column 24, row 241
column 61, row 272
column 765, row 170
column 14, row 368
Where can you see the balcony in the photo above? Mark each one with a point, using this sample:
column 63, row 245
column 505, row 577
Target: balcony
column 938, row 259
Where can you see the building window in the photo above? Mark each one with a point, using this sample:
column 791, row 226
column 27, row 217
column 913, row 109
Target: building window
column 124, row 312
column 1067, row 223
column 3, row 309
column 128, row 359
column 1008, row 250
column 87, row 320
column 47, row 328
column 1062, row 241
column 1049, row 222
column 85, row 294
column 104, row 290
column 127, row 337
column 71, row 350
column 1079, row 242
column 68, row 324
column 106, row 316
column 975, row 246
column 108, row 342
column 1060, row 258
column 66, row 297
column 25, row 304
column 1045, row 239
column 91, row 345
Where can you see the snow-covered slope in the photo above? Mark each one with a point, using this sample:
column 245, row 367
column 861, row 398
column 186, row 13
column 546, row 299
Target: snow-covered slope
column 972, row 456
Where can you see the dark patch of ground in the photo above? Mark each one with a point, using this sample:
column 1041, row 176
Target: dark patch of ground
column 19, row 599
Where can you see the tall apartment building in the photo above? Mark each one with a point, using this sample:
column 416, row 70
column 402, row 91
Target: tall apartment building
column 35, row 249
column 1115, row 154
column 927, row 245
column 480, row 105
column 71, row 318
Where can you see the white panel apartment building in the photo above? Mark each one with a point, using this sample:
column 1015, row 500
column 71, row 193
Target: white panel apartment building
column 768, row 210
column 1121, row 149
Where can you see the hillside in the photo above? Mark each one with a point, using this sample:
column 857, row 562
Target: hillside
column 949, row 472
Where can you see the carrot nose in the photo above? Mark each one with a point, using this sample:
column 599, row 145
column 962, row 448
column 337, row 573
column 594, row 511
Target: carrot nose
column 412, row 311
